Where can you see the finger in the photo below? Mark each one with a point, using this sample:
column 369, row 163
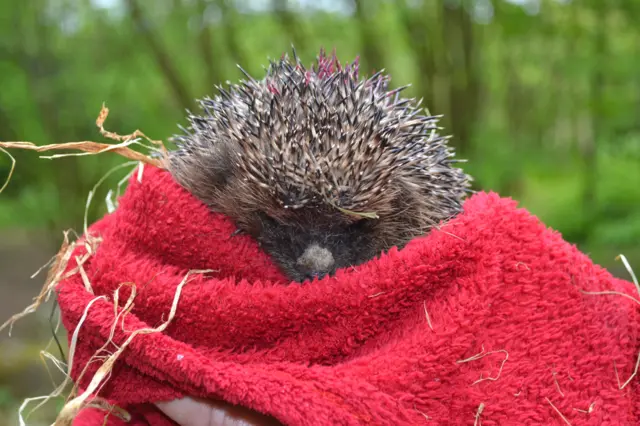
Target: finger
column 191, row 412
column 187, row 412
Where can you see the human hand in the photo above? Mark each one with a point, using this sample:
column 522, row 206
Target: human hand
column 193, row 412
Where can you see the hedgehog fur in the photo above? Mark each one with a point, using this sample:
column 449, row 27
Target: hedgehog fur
column 324, row 169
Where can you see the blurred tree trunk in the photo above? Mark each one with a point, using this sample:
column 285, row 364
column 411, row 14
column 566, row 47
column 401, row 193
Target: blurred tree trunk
column 230, row 26
column 372, row 53
column 7, row 133
column 514, row 97
column 416, row 22
column 212, row 66
column 291, row 23
column 163, row 58
column 589, row 147
column 41, row 65
column 462, row 70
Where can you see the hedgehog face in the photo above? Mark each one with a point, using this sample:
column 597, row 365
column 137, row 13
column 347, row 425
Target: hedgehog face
column 316, row 239
column 323, row 169
column 306, row 248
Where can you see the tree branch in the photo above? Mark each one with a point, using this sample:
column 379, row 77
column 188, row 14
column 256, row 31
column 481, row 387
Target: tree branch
column 229, row 23
column 463, row 80
column 213, row 74
column 162, row 57
column 372, row 53
column 290, row 23
column 418, row 38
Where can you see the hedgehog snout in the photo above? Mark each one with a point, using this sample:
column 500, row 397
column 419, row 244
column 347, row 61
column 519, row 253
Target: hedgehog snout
column 307, row 247
column 315, row 261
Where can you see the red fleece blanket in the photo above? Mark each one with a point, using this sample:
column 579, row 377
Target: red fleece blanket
column 482, row 322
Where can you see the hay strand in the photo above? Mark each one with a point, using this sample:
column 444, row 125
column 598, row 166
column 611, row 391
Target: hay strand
column 610, row 292
column 70, row 410
column 588, row 410
column 11, row 170
column 627, row 266
column 95, row 188
column 477, row 421
column 426, row 314
column 92, row 148
column 558, row 411
column 635, row 372
column 61, row 387
column 634, row 279
column 555, row 380
column 61, row 366
column 88, row 147
column 420, row 412
column 59, row 265
column 102, row 117
column 483, row 354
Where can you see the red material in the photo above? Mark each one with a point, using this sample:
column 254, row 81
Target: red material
column 358, row 348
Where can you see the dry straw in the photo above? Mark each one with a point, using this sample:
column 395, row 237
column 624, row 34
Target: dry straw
column 59, row 271
column 86, row 148
column 72, row 407
column 627, row 266
column 91, row 148
column 483, row 354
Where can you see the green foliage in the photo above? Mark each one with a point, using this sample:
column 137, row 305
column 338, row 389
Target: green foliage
column 543, row 103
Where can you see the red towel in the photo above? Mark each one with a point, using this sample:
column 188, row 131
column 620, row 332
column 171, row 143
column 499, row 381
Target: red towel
column 380, row 344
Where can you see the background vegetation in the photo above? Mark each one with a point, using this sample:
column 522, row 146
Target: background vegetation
column 542, row 97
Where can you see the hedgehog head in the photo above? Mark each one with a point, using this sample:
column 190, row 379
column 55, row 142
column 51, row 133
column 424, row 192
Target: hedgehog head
column 324, row 169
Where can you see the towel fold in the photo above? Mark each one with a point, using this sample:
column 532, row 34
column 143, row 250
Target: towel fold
column 484, row 320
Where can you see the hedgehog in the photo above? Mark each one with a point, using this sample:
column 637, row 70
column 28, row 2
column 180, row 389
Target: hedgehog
column 324, row 169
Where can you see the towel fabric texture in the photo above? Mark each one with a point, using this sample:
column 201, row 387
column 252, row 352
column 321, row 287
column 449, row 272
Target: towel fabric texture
column 484, row 321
